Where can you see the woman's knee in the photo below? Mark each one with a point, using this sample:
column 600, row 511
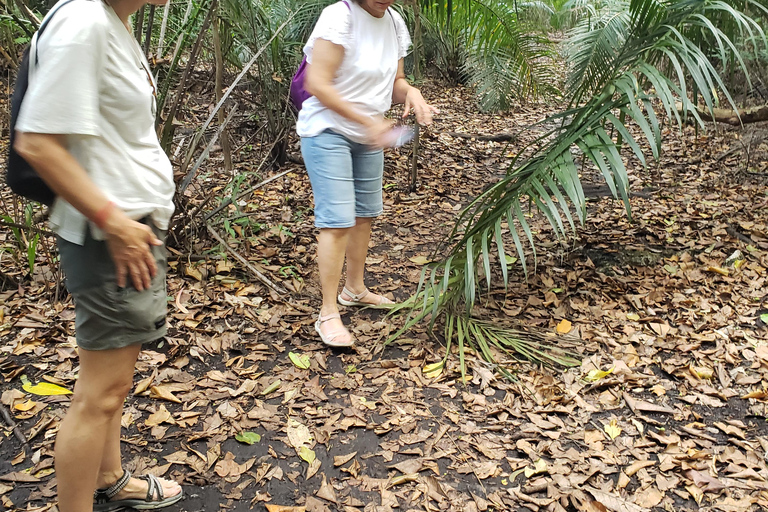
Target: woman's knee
column 103, row 401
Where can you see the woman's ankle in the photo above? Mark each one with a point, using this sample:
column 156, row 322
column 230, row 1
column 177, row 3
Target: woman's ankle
column 108, row 478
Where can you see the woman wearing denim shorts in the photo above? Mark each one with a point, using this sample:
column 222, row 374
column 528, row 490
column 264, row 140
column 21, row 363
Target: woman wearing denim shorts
column 87, row 126
column 355, row 57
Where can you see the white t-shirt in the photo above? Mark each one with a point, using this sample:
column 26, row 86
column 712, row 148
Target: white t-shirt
column 373, row 48
column 92, row 84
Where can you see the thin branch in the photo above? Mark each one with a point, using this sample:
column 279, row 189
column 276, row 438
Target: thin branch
column 231, row 88
column 26, row 228
column 12, row 424
column 228, row 201
column 204, row 155
column 247, row 264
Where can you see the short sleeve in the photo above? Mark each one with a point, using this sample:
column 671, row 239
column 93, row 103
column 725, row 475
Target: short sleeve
column 63, row 93
column 403, row 37
column 334, row 25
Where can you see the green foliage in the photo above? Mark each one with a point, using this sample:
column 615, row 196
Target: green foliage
column 488, row 45
column 632, row 55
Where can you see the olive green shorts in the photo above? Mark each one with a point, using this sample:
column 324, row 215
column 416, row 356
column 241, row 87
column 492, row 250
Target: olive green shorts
column 106, row 316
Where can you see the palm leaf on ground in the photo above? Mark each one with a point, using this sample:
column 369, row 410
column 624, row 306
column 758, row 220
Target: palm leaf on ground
column 622, row 65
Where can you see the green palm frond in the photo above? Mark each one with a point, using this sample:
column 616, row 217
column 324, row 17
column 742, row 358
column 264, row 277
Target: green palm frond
column 622, row 64
column 486, row 43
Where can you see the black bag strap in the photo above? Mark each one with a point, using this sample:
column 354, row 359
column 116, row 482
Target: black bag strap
column 45, row 24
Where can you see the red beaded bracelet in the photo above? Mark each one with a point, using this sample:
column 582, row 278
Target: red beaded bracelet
column 100, row 218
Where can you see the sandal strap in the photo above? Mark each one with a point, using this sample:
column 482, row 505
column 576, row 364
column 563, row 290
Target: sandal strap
column 356, row 297
column 154, row 488
column 105, row 494
column 323, row 319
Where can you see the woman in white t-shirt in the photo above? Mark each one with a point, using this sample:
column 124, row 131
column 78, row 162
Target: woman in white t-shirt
column 87, row 126
column 355, row 57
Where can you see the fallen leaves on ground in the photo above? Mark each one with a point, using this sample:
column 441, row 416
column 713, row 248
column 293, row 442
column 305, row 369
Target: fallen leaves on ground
column 241, row 400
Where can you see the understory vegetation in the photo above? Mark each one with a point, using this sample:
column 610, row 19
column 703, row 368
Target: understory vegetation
column 625, row 72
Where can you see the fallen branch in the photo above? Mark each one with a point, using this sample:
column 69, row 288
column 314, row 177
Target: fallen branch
column 12, row 424
column 732, row 117
column 25, row 227
column 191, row 173
column 228, row 201
column 499, row 137
column 247, row 264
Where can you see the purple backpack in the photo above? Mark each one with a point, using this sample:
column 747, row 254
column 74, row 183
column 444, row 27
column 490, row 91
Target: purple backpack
column 297, row 92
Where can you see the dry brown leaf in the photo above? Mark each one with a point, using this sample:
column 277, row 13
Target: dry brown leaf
column 704, row 481
column 163, row 392
column 614, row 503
column 340, row 460
column 160, row 416
column 649, row 498
column 326, row 492
column 637, row 466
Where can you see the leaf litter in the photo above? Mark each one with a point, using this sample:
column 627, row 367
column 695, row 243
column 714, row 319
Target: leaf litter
column 667, row 410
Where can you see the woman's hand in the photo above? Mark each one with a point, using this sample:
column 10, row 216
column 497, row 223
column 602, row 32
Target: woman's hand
column 415, row 101
column 377, row 132
column 130, row 242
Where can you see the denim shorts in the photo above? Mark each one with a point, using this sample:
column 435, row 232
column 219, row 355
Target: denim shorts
column 108, row 317
column 346, row 179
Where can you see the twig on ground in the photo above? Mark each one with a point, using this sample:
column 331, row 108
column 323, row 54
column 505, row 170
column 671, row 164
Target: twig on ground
column 499, row 137
column 25, row 227
column 247, row 264
column 12, row 424
column 228, row 201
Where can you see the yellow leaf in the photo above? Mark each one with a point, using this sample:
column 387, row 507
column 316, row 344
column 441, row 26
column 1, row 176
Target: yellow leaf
column 633, row 316
column 539, row 467
column 43, row 388
column 272, row 387
column 307, row 454
column 564, row 327
column 613, row 430
column 433, row 370
column 419, row 260
column 299, row 361
column 718, row 270
column 25, row 406
column 597, row 374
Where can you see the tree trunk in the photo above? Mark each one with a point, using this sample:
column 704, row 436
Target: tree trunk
column 150, row 25
column 168, row 126
column 163, row 27
column 138, row 24
column 728, row 116
column 417, row 40
column 219, row 93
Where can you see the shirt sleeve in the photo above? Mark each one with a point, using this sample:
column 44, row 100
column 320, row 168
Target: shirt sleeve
column 403, row 37
column 63, row 92
column 334, row 25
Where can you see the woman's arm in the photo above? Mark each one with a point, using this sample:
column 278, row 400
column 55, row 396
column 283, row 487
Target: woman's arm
column 403, row 92
column 128, row 240
column 326, row 61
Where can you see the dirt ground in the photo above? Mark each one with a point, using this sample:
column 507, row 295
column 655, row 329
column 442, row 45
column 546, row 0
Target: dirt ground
column 667, row 410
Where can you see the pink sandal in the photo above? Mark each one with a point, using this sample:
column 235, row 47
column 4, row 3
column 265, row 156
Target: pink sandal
column 330, row 338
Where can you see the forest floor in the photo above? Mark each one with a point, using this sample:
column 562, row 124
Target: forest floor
column 667, row 410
